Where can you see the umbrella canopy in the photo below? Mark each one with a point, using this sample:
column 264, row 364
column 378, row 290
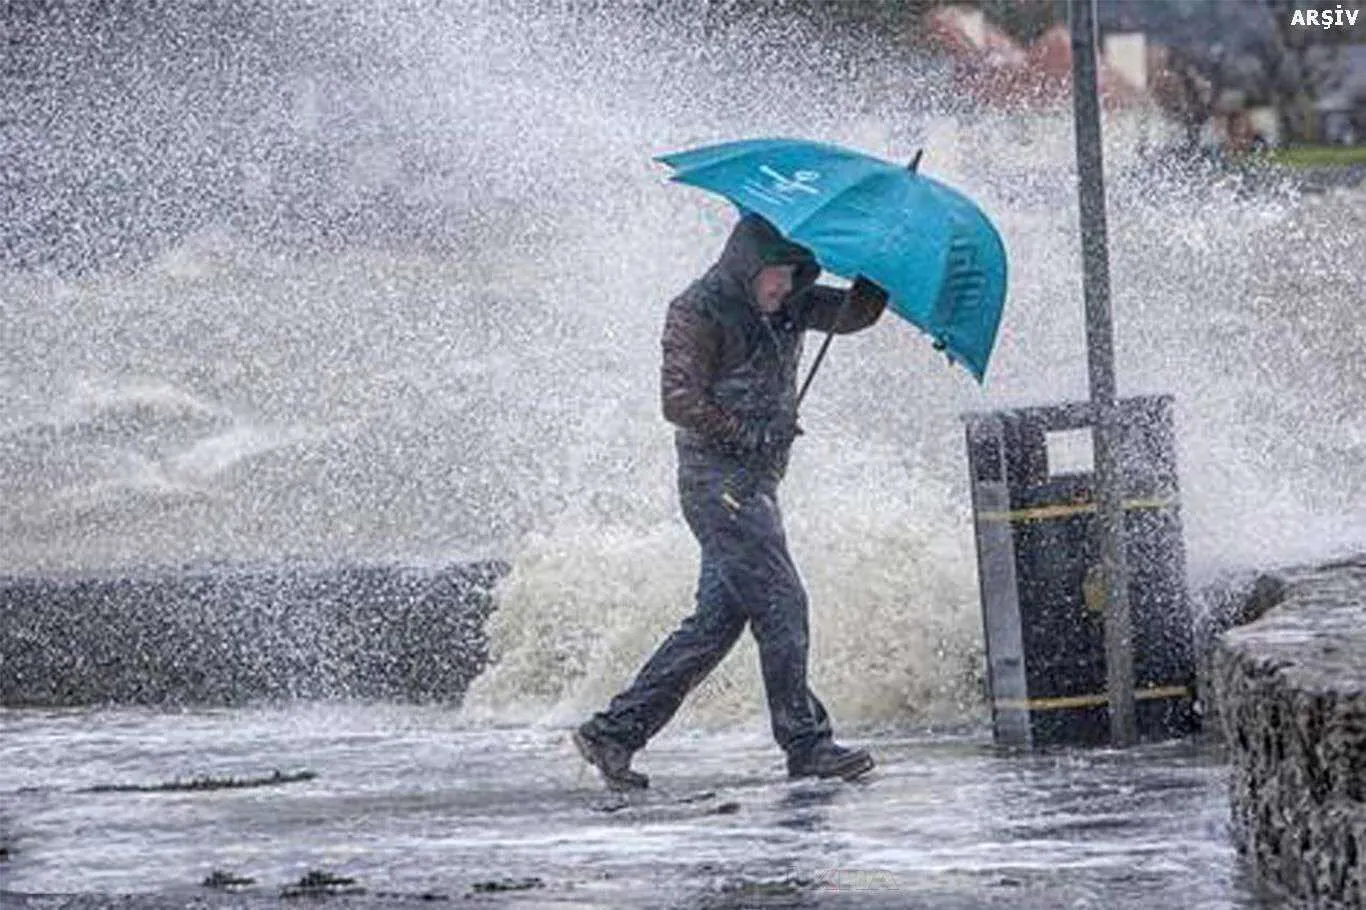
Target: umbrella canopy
column 938, row 257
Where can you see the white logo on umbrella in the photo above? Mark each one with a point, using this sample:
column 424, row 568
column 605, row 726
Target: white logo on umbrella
column 781, row 189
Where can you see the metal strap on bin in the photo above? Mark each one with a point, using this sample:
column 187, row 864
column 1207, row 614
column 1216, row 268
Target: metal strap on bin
column 1041, row 513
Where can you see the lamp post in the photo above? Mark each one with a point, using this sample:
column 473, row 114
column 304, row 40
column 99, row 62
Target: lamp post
column 1100, row 357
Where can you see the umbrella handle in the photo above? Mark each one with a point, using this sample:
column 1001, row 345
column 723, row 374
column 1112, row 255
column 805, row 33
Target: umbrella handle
column 825, row 346
column 820, row 355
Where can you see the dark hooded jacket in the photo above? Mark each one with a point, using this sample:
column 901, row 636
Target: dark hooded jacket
column 725, row 363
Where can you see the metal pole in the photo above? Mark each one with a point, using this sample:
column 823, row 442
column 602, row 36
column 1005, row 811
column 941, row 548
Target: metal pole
column 1100, row 357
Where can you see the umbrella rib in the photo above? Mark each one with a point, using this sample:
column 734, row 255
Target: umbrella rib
column 681, row 172
column 819, row 208
column 746, row 147
column 744, row 151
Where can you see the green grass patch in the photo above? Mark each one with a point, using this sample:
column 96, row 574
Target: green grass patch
column 760, row 890
column 319, row 883
column 226, row 880
column 508, row 884
column 205, row 783
column 1318, row 155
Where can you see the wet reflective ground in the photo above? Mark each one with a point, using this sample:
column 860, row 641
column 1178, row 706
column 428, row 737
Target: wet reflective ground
column 415, row 807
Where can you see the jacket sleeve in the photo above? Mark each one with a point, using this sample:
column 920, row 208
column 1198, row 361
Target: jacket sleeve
column 833, row 310
column 692, row 351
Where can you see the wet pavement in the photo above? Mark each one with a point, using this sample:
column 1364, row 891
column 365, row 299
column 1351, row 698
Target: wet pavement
column 411, row 805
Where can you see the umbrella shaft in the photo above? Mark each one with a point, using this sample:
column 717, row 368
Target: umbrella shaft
column 820, row 355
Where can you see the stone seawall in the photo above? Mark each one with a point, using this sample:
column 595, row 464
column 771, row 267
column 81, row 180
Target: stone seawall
column 1290, row 690
column 228, row 635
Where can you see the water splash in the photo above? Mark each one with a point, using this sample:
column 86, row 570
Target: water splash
column 407, row 306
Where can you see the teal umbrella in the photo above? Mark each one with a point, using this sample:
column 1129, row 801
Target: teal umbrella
column 939, row 258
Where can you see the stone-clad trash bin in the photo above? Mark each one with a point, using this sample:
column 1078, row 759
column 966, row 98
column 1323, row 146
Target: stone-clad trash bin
column 1038, row 559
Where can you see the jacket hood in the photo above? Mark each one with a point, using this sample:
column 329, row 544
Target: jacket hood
column 755, row 243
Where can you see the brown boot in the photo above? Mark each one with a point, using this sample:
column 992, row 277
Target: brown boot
column 826, row 759
column 613, row 761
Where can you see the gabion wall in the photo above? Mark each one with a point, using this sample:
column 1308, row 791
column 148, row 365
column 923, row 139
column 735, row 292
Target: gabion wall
column 1291, row 691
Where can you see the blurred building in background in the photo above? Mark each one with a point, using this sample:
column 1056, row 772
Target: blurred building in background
column 1342, row 112
column 1233, row 76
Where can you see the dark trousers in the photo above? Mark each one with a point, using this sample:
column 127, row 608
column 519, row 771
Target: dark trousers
column 747, row 576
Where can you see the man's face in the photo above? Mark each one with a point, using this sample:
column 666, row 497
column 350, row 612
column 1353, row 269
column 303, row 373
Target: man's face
column 772, row 285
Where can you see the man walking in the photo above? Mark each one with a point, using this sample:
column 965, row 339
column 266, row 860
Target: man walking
column 731, row 346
